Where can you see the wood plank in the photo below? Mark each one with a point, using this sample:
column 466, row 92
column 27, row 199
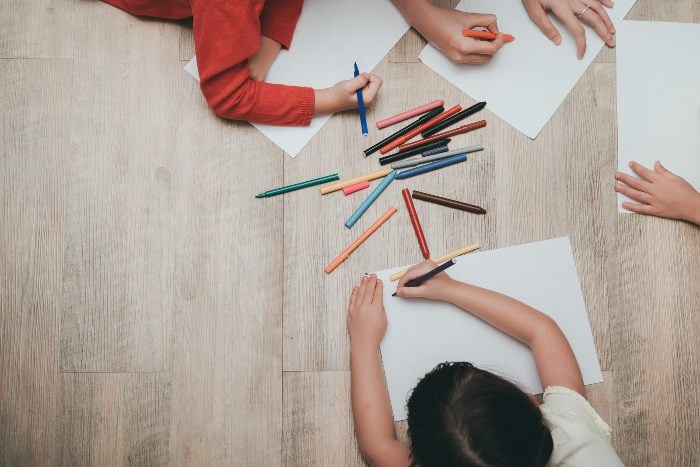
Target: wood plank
column 318, row 429
column 114, row 419
column 186, row 42
column 120, row 221
column 36, row 29
column 656, row 329
column 35, row 141
column 226, row 327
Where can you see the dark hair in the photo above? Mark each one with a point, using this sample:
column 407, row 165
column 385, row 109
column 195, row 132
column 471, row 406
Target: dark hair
column 460, row 415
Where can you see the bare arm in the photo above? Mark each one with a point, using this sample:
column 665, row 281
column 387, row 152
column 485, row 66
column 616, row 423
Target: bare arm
column 556, row 363
column 371, row 411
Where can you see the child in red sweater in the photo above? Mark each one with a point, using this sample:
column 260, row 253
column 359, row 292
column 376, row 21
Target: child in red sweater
column 236, row 42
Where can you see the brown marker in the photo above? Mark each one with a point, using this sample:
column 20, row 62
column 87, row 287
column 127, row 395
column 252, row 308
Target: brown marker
column 450, row 203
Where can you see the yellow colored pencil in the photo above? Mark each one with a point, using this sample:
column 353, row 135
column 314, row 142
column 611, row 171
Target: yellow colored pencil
column 354, row 181
column 440, row 259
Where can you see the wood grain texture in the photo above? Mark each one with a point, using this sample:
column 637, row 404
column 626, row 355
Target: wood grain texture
column 226, row 326
column 114, row 419
column 36, row 29
column 120, row 234
column 35, row 143
column 149, row 304
column 318, row 429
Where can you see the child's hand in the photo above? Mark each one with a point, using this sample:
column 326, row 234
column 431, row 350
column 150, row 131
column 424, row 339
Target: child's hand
column 433, row 288
column 260, row 63
column 366, row 316
column 343, row 96
column 659, row 192
column 443, row 27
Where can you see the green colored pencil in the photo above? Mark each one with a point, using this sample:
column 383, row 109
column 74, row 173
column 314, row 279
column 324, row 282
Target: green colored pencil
column 299, row 186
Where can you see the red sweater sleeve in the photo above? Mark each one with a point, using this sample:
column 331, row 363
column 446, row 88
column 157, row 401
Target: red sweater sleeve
column 279, row 18
column 226, row 34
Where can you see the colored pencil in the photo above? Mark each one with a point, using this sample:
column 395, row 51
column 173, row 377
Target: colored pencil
column 424, row 160
column 371, row 198
column 447, row 256
column 418, row 281
column 298, row 186
column 429, row 124
column 409, row 114
column 361, row 105
column 450, row 203
column 454, row 132
column 348, row 190
column 354, row 181
column 485, row 35
column 413, row 215
column 348, row 251
column 459, row 116
column 415, row 124
column 425, row 168
column 397, row 156
column 437, row 150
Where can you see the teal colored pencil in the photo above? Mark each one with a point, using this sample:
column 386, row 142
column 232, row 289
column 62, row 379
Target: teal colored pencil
column 298, row 186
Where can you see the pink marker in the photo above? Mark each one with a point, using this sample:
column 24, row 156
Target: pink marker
column 348, row 190
column 409, row 113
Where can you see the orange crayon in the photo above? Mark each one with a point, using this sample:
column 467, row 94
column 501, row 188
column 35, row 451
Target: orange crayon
column 489, row 36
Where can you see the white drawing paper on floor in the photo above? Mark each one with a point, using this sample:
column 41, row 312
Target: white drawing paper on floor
column 423, row 333
column 330, row 36
column 658, row 98
column 528, row 79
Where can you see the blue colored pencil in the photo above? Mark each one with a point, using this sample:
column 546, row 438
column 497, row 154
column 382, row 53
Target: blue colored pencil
column 370, row 199
column 431, row 166
column 361, row 105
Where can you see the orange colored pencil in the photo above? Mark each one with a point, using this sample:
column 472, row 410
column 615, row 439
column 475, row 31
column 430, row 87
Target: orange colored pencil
column 420, row 129
column 348, row 251
column 489, row 36
column 446, row 134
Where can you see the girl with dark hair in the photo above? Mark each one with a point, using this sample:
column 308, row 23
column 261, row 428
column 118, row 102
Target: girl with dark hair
column 460, row 415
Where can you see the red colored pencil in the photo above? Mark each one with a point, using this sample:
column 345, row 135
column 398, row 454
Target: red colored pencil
column 455, row 131
column 420, row 129
column 416, row 223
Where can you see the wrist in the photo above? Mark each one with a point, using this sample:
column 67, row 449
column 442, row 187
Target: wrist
column 363, row 347
column 693, row 212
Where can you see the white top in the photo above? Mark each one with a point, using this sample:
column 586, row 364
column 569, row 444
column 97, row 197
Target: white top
column 580, row 436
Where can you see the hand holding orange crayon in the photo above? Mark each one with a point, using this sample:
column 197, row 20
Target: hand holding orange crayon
column 489, row 36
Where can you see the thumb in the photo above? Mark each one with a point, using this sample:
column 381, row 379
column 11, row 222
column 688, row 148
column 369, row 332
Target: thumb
column 659, row 168
column 359, row 82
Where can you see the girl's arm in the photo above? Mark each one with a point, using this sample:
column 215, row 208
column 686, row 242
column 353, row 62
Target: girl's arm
column 226, row 36
column 556, row 363
column 371, row 411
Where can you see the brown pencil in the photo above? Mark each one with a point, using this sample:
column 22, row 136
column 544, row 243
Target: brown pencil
column 450, row 203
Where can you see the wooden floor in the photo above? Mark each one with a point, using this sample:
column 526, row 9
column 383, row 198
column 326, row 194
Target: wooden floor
column 153, row 312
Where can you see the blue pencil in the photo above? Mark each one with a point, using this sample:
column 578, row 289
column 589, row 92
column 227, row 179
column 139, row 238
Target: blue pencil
column 361, row 105
column 370, row 199
column 431, row 166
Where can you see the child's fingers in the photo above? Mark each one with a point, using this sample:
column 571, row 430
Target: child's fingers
column 484, row 47
column 576, row 29
column 369, row 290
column 659, row 168
column 639, row 208
column 353, row 297
column 417, row 271
column 411, row 292
column 358, row 82
column 371, row 90
column 484, row 20
column 634, row 182
column 642, row 171
column 474, row 59
column 361, row 290
column 633, row 194
column 378, row 292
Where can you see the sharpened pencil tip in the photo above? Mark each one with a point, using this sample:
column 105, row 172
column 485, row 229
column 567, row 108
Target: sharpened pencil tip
column 261, row 195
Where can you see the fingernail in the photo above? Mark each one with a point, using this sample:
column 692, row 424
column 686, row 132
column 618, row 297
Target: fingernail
column 557, row 40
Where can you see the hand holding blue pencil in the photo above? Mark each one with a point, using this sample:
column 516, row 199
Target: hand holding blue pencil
column 361, row 105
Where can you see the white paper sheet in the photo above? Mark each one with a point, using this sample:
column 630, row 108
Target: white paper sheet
column 329, row 37
column 658, row 97
column 423, row 333
column 529, row 78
